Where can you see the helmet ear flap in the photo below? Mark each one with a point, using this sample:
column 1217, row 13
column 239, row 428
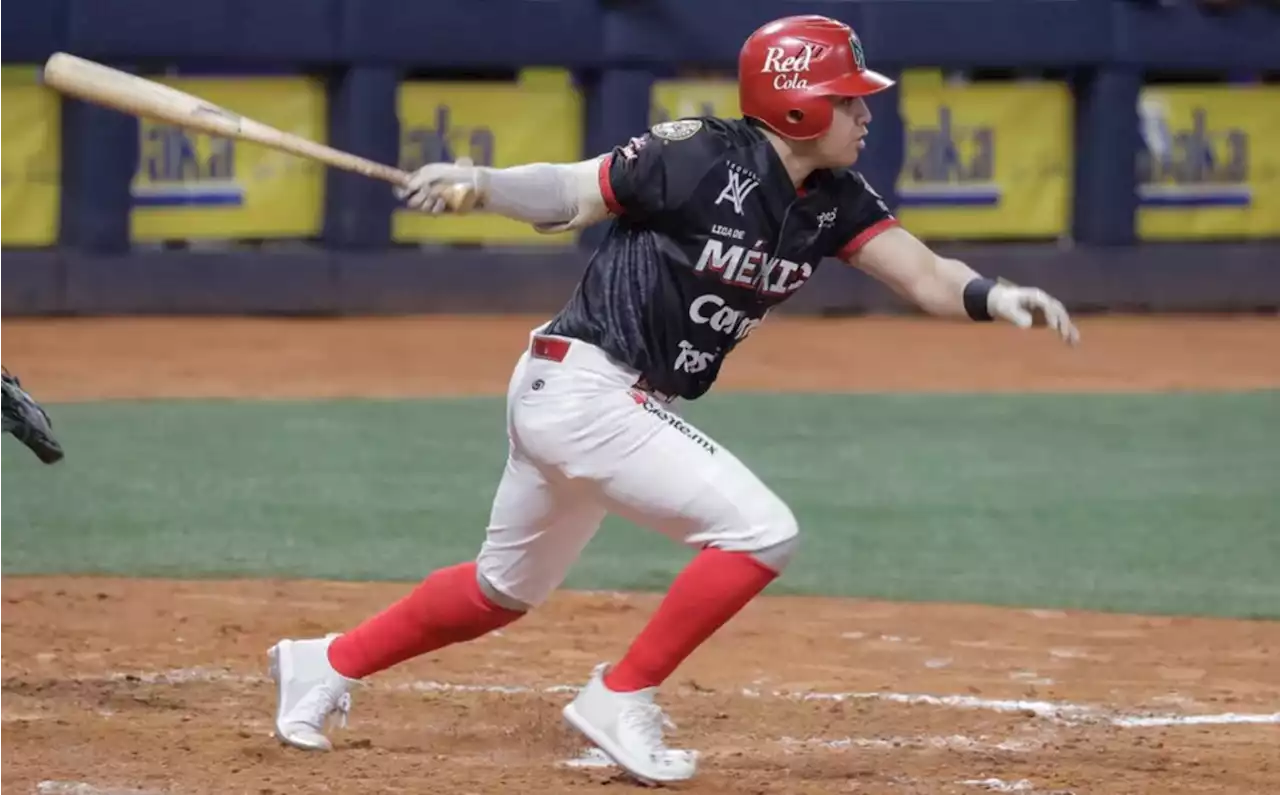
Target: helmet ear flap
column 809, row 118
column 801, row 122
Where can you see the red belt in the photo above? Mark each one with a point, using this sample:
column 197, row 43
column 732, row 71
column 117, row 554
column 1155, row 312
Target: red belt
column 555, row 349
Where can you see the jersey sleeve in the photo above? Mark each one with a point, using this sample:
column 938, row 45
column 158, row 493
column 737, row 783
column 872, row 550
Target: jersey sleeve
column 656, row 172
column 864, row 215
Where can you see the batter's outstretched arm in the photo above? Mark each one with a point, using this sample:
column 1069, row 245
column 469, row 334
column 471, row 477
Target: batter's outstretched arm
column 554, row 197
column 948, row 287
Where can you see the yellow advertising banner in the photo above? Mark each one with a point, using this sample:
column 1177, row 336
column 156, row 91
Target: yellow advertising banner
column 676, row 99
column 1209, row 164
column 535, row 120
column 985, row 160
column 30, row 148
column 192, row 186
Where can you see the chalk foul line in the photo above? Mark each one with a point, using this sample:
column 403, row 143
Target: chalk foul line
column 592, row 758
column 1059, row 711
column 84, row 788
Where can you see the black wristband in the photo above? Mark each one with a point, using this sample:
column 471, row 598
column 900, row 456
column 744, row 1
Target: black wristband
column 975, row 298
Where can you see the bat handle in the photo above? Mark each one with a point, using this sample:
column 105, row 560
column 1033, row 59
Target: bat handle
column 459, row 197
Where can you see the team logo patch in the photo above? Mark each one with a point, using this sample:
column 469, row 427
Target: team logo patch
column 859, row 57
column 738, row 188
column 679, row 130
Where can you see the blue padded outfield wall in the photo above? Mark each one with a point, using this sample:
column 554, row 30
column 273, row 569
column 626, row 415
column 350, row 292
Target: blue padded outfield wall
column 1122, row 153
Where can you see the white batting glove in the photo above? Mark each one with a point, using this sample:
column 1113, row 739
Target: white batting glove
column 428, row 185
column 1025, row 307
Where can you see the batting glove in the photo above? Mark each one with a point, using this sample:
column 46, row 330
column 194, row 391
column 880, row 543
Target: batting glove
column 1025, row 307
column 430, row 188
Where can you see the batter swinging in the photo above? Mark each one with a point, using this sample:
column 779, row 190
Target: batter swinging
column 716, row 221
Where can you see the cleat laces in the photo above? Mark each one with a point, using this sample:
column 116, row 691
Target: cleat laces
column 322, row 701
column 646, row 722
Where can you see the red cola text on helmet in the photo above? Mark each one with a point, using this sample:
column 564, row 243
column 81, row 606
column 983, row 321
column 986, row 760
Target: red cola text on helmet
column 789, row 68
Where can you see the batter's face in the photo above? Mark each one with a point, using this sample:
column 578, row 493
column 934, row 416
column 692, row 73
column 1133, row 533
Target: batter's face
column 840, row 146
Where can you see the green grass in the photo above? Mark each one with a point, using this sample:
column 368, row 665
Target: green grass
column 1167, row 504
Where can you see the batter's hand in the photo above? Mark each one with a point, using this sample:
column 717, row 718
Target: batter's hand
column 1030, row 306
column 431, row 187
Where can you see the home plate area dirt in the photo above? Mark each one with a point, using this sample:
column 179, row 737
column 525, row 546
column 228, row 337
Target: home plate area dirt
column 125, row 687
column 147, row 686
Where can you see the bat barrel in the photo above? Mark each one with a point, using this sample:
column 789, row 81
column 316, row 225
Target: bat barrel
column 138, row 96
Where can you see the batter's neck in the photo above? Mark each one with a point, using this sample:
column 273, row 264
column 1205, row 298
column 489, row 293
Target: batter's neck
column 798, row 165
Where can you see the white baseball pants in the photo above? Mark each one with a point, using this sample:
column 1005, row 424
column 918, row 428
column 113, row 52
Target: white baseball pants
column 584, row 442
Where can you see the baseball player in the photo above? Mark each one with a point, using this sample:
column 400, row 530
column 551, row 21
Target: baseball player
column 714, row 223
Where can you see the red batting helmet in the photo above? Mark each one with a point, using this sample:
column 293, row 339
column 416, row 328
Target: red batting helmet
column 788, row 68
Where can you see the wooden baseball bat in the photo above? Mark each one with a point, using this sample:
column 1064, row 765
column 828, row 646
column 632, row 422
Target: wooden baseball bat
column 102, row 85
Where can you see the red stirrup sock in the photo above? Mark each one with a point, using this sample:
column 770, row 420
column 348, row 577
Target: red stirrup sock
column 446, row 608
column 710, row 591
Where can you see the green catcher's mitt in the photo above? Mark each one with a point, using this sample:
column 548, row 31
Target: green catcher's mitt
column 28, row 422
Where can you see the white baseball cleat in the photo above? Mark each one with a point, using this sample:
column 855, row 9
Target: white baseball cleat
column 308, row 692
column 628, row 728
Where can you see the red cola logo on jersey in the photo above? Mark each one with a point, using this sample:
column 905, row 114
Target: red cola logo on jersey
column 788, row 68
column 742, row 267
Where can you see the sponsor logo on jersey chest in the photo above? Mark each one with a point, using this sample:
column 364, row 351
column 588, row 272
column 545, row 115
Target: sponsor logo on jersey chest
column 712, row 310
column 691, row 360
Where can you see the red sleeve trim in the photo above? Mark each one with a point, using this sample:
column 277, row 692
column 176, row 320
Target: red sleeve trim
column 606, row 187
column 864, row 237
